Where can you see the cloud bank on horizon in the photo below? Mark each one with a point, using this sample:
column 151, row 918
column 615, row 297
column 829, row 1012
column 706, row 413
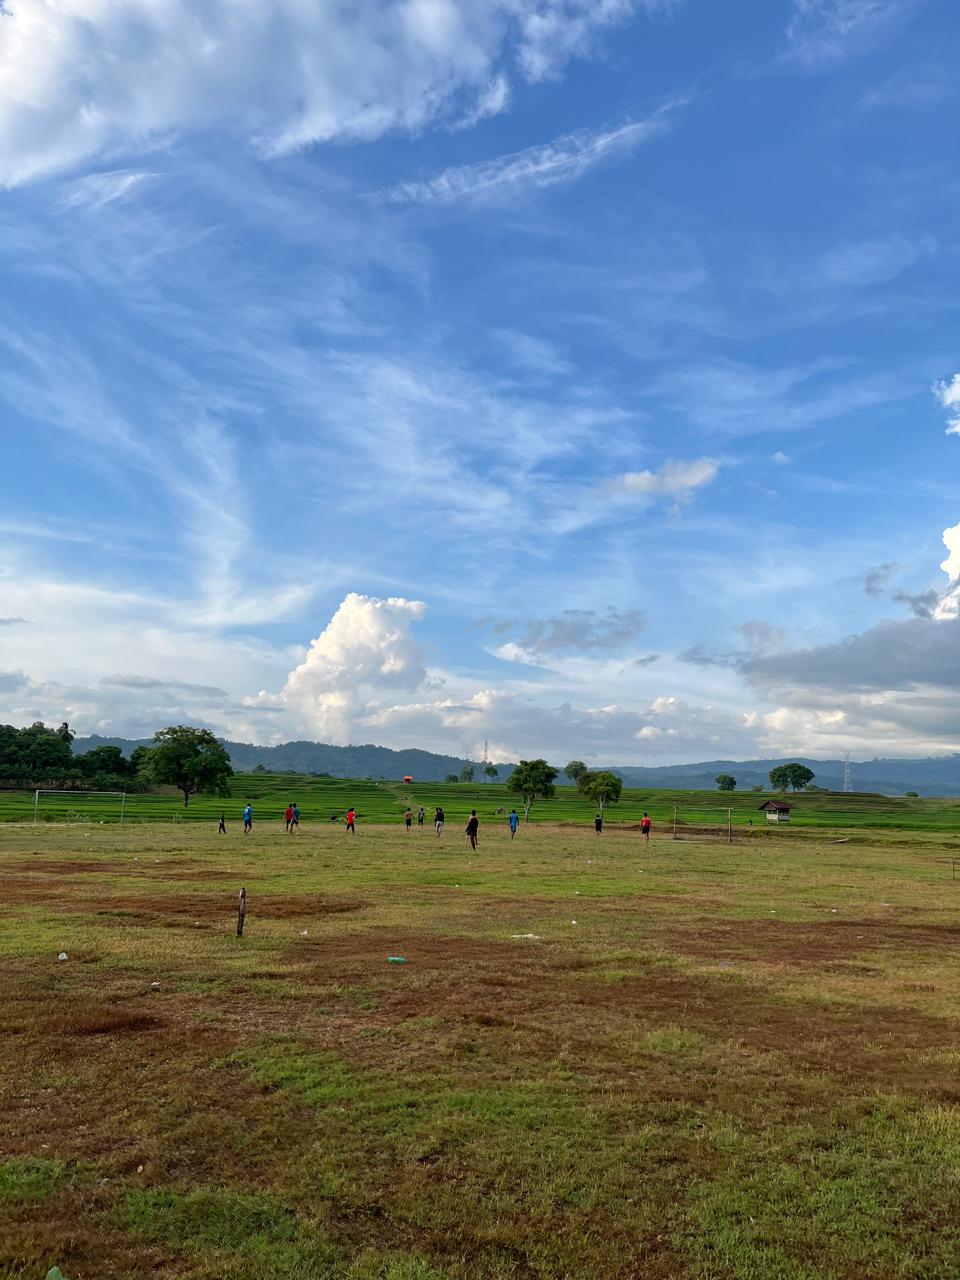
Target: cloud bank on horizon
column 436, row 372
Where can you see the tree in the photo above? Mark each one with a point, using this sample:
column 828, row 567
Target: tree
column 726, row 782
column 491, row 771
column 530, row 780
column 796, row 776
column 452, row 777
column 66, row 734
column 602, row 787
column 189, row 759
column 914, row 795
column 467, row 773
column 575, row 771
column 103, row 760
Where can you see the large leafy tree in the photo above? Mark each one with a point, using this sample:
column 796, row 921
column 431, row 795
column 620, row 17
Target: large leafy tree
column 575, row 771
column 189, row 759
column 467, row 773
column 491, row 771
column 796, row 776
column 602, row 787
column 532, row 780
column 726, row 781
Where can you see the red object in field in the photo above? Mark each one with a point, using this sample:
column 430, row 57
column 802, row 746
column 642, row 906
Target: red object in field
column 408, row 777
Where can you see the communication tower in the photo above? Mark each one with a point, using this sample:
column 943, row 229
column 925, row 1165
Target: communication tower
column 847, row 784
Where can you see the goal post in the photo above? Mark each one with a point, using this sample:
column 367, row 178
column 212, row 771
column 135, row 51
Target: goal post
column 77, row 795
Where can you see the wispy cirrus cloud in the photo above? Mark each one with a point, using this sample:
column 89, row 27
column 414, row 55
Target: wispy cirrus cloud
column 824, row 31
column 98, row 189
column 551, row 164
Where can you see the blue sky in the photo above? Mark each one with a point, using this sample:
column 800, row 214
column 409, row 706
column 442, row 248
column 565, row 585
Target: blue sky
column 573, row 376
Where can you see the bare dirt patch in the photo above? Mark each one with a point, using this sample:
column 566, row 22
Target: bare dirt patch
column 806, row 944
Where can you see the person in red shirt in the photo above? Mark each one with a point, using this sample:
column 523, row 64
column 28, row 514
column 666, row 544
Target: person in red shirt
column 352, row 821
column 287, row 817
column 645, row 825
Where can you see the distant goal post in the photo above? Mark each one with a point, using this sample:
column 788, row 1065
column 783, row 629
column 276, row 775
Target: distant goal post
column 69, row 812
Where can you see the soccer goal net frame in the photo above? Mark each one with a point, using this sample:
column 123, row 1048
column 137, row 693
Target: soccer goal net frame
column 705, row 822
column 78, row 795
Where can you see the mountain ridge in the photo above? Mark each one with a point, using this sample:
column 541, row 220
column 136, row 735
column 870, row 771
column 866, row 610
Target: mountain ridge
column 930, row 776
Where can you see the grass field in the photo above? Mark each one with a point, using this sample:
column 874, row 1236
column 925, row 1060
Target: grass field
column 323, row 798
column 600, row 1059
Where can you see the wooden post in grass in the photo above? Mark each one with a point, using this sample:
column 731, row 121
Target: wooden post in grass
column 729, row 826
column 674, row 822
column 241, row 912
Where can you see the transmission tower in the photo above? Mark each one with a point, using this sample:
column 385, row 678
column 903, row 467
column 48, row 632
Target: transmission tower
column 847, row 784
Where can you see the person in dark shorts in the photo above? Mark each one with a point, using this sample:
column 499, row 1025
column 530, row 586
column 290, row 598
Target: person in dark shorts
column 514, row 822
column 408, row 821
column 352, row 821
column 420, row 816
column 222, row 829
column 645, row 825
column 438, row 821
column 287, row 817
column 295, row 817
column 247, row 818
column 598, row 825
column 472, row 829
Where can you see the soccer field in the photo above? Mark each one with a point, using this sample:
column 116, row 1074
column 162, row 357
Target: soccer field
column 599, row 1059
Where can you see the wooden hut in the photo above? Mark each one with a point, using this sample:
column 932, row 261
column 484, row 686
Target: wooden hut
column 776, row 810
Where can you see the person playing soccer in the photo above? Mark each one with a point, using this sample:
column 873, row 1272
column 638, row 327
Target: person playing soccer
column 472, row 829
column 287, row 817
column 598, row 825
column 420, row 816
column 222, row 829
column 514, row 823
column 408, row 821
column 247, row 818
column 295, row 817
column 645, row 825
column 352, row 821
column 438, row 821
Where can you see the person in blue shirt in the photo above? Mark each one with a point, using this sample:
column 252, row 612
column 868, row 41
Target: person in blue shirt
column 295, row 817
column 514, row 823
column 247, row 818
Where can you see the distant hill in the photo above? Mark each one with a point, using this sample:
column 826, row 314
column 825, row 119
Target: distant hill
column 938, row 776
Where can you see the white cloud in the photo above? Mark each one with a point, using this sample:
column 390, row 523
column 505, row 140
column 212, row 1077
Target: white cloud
column 780, row 457
column 99, row 189
column 366, row 646
column 948, row 393
column 823, row 31
column 563, row 160
column 85, row 78
column 870, row 262
column 675, row 479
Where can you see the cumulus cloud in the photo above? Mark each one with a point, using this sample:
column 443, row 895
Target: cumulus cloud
column 82, row 78
column 948, row 393
column 563, row 160
column 573, row 631
column 877, row 579
column 677, row 480
column 367, row 645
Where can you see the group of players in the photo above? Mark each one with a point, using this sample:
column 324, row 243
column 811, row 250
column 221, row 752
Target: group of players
column 291, row 822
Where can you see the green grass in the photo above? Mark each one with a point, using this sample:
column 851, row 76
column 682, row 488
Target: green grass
column 326, row 800
column 739, row 1063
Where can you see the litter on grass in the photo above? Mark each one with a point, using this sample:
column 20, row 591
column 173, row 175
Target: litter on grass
column 396, row 960
column 63, row 956
column 535, row 936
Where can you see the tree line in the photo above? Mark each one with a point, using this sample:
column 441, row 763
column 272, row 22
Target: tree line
column 180, row 756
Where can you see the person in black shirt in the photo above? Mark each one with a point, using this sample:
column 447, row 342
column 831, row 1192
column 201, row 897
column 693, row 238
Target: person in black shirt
column 472, row 829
